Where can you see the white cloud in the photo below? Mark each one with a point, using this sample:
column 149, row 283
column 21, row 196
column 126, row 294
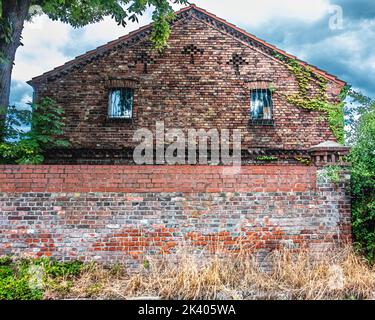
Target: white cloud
column 354, row 42
column 255, row 12
column 371, row 63
column 49, row 44
column 108, row 30
column 43, row 40
column 26, row 99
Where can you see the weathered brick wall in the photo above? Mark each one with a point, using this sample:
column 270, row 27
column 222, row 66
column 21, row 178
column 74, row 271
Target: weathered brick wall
column 204, row 95
column 124, row 213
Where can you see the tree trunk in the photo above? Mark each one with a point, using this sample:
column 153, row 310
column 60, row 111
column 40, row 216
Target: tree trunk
column 15, row 13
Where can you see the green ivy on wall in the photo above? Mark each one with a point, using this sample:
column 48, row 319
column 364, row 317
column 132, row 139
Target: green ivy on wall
column 317, row 101
column 331, row 173
column 266, row 158
column 304, row 161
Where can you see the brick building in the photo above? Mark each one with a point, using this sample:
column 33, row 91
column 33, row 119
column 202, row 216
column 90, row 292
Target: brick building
column 213, row 75
column 91, row 202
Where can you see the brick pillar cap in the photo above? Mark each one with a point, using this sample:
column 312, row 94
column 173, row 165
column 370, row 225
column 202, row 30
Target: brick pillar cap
column 329, row 146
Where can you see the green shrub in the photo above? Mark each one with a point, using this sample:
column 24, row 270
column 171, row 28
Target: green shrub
column 362, row 157
column 332, row 173
column 46, row 122
column 5, row 261
column 16, row 282
column 63, row 269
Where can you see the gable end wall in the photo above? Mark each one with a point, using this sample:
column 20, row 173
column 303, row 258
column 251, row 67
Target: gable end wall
column 204, row 95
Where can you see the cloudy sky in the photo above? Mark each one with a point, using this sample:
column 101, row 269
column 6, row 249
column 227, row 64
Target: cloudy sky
column 336, row 35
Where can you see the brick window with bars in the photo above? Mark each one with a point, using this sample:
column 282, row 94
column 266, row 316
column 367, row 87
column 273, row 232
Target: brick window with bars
column 121, row 103
column 261, row 107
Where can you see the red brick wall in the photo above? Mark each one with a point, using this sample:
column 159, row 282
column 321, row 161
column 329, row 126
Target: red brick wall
column 126, row 213
column 209, row 179
column 205, row 95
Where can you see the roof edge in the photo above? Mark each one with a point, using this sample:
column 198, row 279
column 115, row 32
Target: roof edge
column 115, row 42
column 112, row 43
column 265, row 43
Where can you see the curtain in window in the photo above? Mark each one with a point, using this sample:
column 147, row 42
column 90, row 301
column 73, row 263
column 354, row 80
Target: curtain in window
column 261, row 104
column 121, row 103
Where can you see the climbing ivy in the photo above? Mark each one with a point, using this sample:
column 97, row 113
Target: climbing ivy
column 317, row 101
column 331, row 174
column 304, row 161
column 266, row 158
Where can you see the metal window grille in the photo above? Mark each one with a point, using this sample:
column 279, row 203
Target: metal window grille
column 121, row 103
column 261, row 105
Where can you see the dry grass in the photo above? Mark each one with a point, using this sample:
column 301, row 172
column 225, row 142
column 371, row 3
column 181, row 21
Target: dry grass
column 336, row 275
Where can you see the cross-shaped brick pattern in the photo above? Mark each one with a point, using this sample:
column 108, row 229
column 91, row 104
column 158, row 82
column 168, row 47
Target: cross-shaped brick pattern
column 192, row 50
column 237, row 60
column 144, row 58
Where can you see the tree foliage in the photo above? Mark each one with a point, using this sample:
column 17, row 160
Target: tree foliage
column 79, row 13
column 46, row 121
column 361, row 136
